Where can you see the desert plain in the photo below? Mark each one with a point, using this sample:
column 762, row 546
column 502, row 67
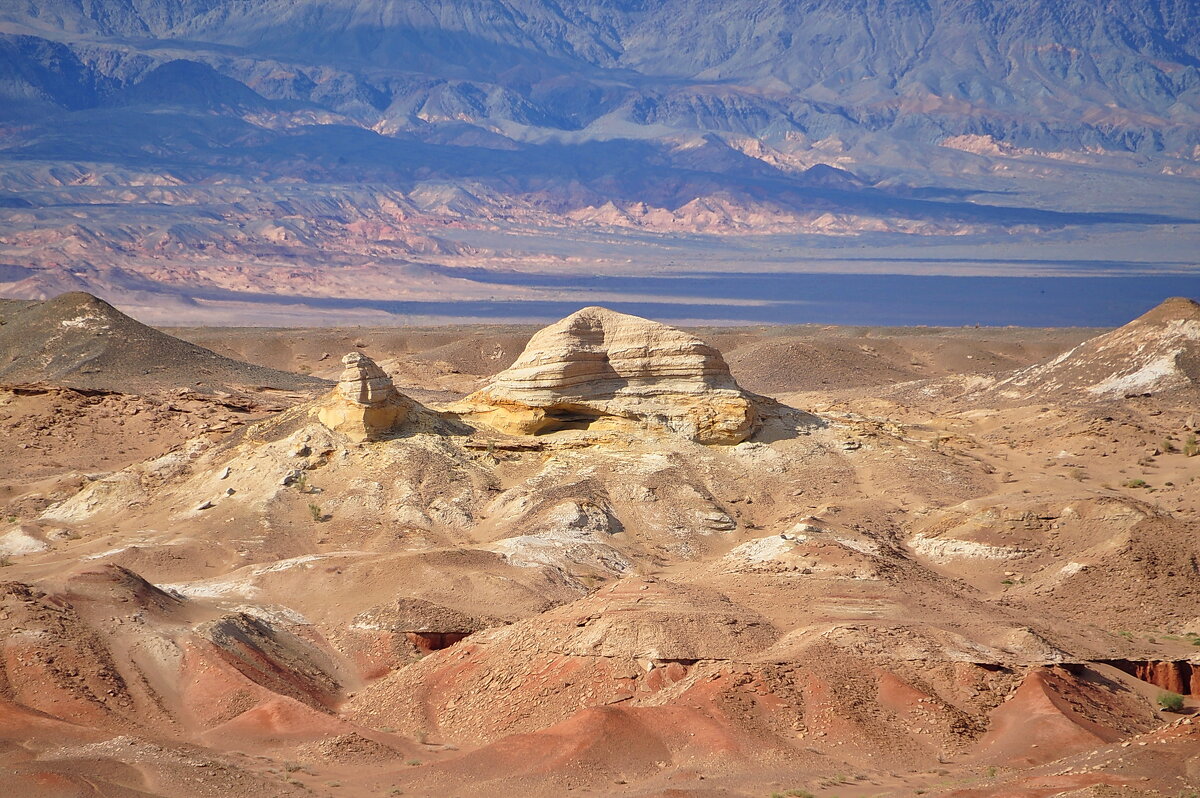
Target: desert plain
column 606, row 556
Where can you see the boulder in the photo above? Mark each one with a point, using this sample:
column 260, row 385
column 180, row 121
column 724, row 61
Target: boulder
column 601, row 369
column 365, row 405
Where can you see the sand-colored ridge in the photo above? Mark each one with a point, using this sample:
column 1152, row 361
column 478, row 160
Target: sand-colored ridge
column 1158, row 351
column 79, row 341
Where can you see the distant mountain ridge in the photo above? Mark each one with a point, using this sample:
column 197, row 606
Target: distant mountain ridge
column 1026, row 72
column 242, row 150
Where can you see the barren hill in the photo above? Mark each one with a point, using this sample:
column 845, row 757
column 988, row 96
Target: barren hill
column 1158, row 351
column 79, row 341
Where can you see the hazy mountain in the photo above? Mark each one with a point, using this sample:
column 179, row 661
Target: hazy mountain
column 1029, row 71
column 685, row 116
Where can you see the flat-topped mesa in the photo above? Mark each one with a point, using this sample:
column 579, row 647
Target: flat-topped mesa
column 365, row 405
column 599, row 367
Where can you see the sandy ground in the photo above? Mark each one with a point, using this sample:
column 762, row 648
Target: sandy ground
column 934, row 571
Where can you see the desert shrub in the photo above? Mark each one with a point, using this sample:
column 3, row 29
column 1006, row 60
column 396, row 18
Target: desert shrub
column 1136, row 483
column 1191, row 447
column 1172, row 702
column 315, row 511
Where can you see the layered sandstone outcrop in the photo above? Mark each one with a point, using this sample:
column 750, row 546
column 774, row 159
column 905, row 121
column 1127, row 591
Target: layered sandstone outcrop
column 601, row 368
column 365, row 405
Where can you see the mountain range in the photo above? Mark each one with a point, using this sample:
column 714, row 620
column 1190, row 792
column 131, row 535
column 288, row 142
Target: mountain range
column 336, row 148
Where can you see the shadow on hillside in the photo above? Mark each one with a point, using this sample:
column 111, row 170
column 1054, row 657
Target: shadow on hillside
column 781, row 422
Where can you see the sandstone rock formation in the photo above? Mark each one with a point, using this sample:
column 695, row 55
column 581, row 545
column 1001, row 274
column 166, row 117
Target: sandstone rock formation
column 601, row 368
column 365, row 405
column 363, row 382
column 423, row 624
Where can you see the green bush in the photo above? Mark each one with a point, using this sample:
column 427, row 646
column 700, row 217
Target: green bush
column 1191, row 447
column 1172, row 702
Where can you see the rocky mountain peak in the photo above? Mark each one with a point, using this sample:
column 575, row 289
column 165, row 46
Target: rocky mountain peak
column 81, row 341
column 1177, row 309
column 1158, row 351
